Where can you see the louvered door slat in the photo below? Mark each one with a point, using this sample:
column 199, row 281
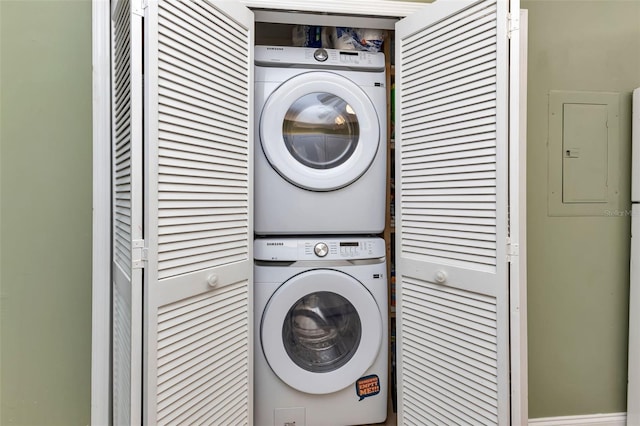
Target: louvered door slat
column 190, row 120
column 192, row 163
column 461, row 59
column 195, row 46
column 480, row 151
column 460, row 133
column 199, row 74
column 482, row 382
column 441, row 328
column 462, row 65
column 458, row 225
column 451, row 203
column 461, row 73
column 174, row 64
column 448, row 111
column 126, row 150
column 452, row 389
column 174, row 102
column 453, row 191
column 175, row 83
column 473, row 240
column 441, row 26
column 452, row 33
column 439, row 152
column 213, row 38
column 438, row 63
column 184, row 232
column 447, row 359
column 204, row 172
column 179, row 372
column 456, row 230
column 475, row 95
column 179, row 95
column 440, row 60
column 460, row 88
column 190, row 375
column 231, row 180
column 190, row 41
column 192, row 379
column 188, row 333
column 121, row 361
column 195, row 254
column 221, row 232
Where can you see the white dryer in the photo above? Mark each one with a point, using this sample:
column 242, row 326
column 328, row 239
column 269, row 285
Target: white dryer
column 320, row 331
column 320, row 157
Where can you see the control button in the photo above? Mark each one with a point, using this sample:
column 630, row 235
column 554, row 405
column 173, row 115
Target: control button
column 321, row 249
column 321, row 55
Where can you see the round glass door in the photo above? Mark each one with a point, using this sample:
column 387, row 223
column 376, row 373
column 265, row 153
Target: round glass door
column 319, row 130
column 320, row 331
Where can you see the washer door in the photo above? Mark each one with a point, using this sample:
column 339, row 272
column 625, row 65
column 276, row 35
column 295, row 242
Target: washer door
column 321, row 330
column 319, row 131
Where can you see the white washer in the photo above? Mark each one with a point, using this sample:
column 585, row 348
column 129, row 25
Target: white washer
column 320, row 157
column 320, row 331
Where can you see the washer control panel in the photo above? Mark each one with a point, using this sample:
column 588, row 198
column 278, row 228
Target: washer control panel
column 270, row 56
column 294, row 249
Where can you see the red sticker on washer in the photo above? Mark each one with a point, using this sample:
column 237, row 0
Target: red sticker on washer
column 367, row 386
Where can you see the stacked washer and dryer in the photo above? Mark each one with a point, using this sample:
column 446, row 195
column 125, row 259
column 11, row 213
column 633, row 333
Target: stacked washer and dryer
column 320, row 273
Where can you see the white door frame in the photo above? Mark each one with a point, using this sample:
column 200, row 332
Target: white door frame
column 518, row 227
column 101, row 276
column 101, row 230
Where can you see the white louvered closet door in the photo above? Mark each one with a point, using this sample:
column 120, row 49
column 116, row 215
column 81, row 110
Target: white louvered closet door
column 127, row 214
column 198, row 134
column 452, row 187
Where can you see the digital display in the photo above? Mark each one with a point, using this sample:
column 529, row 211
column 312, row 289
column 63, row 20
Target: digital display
column 349, row 57
column 349, row 244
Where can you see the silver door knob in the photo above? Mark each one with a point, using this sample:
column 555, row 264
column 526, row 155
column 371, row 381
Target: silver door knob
column 321, row 249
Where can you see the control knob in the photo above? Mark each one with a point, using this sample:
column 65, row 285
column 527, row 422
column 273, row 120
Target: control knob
column 320, row 55
column 321, row 249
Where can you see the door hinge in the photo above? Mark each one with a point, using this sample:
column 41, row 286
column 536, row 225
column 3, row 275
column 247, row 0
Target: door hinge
column 513, row 250
column 513, row 23
column 137, row 7
column 138, row 254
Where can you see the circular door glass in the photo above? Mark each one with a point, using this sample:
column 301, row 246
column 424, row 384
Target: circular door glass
column 321, row 130
column 321, row 332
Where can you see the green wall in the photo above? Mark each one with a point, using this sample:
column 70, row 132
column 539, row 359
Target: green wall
column 578, row 280
column 45, row 212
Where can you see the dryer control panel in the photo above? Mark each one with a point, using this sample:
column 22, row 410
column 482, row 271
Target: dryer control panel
column 295, row 249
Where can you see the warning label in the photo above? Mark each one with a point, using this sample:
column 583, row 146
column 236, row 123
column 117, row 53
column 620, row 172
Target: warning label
column 367, row 386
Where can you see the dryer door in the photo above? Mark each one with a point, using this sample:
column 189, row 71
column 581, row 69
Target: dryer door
column 320, row 131
column 320, row 331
